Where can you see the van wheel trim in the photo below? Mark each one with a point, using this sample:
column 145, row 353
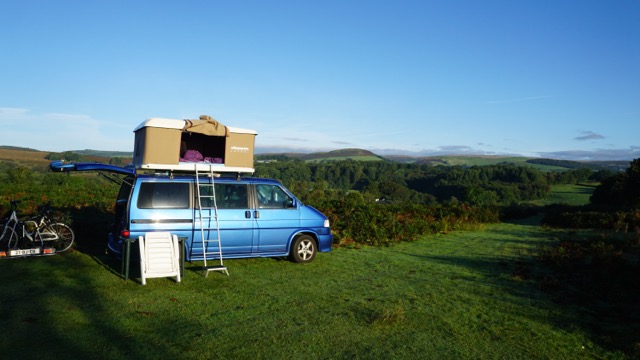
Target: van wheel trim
column 303, row 249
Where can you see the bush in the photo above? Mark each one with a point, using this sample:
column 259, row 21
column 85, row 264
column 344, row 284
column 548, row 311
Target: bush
column 356, row 222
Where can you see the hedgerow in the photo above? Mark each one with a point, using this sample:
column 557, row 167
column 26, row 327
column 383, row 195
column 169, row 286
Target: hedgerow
column 356, row 221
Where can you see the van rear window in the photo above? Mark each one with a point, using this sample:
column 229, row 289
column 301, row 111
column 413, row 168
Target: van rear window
column 163, row 196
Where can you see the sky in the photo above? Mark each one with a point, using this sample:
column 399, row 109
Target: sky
column 540, row 78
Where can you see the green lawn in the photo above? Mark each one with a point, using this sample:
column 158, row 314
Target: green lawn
column 465, row 295
column 568, row 194
column 491, row 160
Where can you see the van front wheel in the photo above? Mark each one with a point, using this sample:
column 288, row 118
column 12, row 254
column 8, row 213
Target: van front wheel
column 303, row 249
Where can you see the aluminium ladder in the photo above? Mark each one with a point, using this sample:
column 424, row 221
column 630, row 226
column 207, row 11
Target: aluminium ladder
column 211, row 219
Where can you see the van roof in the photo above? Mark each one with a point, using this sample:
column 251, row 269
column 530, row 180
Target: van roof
column 61, row 166
column 179, row 124
column 225, row 179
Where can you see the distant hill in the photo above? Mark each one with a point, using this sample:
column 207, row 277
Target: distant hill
column 30, row 156
column 353, row 154
column 459, row 160
column 483, row 160
column 23, row 156
column 7, row 147
column 452, row 160
column 342, row 154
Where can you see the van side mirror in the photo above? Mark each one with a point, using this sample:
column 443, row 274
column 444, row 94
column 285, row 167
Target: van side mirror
column 289, row 203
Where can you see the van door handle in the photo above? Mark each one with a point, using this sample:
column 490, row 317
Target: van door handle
column 247, row 214
column 256, row 214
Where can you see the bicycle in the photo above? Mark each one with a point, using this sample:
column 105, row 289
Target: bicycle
column 39, row 229
column 8, row 234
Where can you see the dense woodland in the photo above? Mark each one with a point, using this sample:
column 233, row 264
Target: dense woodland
column 393, row 182
column 372, row 202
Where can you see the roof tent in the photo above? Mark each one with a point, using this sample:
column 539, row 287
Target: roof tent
column 187, row 145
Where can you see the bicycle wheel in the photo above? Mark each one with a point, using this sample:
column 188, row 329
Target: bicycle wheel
column 8, row 237
column 65, row 236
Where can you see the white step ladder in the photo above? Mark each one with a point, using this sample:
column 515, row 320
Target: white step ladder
column 211, row 219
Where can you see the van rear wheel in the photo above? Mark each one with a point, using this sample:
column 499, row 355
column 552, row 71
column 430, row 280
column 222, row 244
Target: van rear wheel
column 303, row 249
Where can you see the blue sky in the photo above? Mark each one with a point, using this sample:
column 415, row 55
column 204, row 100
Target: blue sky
column 536, row 78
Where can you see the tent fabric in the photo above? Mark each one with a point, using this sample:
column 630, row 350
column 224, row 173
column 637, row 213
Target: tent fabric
column 206, row 125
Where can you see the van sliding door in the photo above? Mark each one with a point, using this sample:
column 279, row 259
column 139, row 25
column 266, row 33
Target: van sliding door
column 277, row 218
column 234, row 218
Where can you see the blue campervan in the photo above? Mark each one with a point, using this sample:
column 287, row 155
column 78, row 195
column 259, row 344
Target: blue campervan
column 256, row 217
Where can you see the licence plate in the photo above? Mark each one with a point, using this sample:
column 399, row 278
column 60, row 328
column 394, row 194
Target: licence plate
column 33, row 251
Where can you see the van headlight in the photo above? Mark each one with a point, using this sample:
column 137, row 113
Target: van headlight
column 326, row 223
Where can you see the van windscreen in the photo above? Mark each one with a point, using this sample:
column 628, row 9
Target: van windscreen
column 163, row 196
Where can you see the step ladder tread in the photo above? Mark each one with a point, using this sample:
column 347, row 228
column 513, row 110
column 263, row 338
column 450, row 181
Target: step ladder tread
column 220, row 268
column 215, row 267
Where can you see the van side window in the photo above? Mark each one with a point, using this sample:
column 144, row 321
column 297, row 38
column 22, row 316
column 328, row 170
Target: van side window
column 228, row 196
column 273, row 197
column 163, row 196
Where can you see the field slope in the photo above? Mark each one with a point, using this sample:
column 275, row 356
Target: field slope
column 23, row 157
column 465, row 295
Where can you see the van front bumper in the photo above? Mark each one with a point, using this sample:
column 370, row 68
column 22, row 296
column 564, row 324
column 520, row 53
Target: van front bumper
column 324, row 242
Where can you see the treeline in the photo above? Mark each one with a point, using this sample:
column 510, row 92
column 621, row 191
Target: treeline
column 391, row 182
column 614, row 205
column 67, row 155
column 382, row 202
column 569, row 164
column 560, row 163
column 90, row 156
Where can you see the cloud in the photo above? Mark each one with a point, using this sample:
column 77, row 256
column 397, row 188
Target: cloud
column 12, row 115
column 62, row 132
column 439, row 151
column 276, row 149
column 633, row 152
column 455, row 148
column 588, row 135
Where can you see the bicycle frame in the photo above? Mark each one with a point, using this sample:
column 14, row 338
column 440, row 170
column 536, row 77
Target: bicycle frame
column 36, row 233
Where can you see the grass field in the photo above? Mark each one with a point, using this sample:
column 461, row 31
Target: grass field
column 453, row 160
column 568, row 194
column 27, row 158
column 465, row 295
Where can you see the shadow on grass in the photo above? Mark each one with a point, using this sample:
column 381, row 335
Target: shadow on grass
column 63, row 306
column 91, row 226
column 58, row 306
column 597, row 295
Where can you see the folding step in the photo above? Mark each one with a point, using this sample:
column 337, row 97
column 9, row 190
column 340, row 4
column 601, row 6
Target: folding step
column 220, row 268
